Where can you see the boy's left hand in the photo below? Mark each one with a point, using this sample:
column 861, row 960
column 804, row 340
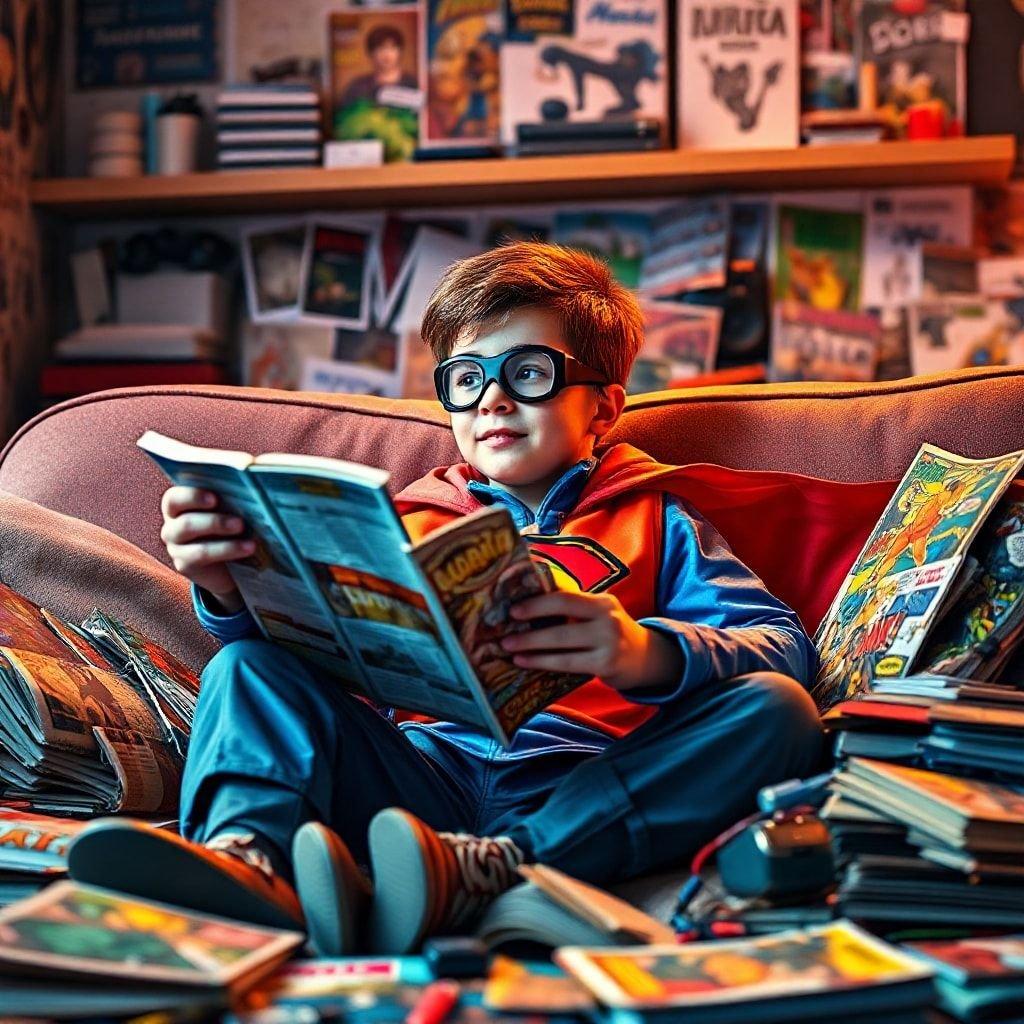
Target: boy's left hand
column 599, row 639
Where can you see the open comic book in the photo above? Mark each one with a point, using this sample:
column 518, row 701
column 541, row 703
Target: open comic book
column 916, row 566
column 83, row 731
column 336, row 579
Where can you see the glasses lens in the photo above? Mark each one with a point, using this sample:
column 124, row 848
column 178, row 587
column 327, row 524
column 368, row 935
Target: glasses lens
column 530, row 374
column 463, row 382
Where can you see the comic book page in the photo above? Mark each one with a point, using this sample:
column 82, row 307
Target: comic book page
column 35, row 843
column 352, row 550
column 878, row 621
column 823, row 344
column 480, row 568
column 967, row 639
column 271, row 585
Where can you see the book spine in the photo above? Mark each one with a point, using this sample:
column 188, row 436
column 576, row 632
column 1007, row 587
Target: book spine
column 554, row 148
column 640, row 129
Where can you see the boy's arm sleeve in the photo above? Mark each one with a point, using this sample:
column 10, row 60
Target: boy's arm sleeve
column 225, row 628
column 725, row 620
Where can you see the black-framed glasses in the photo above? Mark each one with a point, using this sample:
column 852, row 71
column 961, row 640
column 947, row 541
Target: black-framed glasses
column 527, row 373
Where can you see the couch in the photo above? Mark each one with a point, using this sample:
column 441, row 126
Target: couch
column 79, row 503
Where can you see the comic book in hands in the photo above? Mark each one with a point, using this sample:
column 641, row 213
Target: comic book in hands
column 76, row 950
column 801, row 974
column 335, row 579
column 896, row 588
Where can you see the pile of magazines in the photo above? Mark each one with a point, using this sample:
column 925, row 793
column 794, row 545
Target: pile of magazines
column 93, row 718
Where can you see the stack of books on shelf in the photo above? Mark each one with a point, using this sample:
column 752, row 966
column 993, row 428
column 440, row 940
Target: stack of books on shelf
column 264, row 126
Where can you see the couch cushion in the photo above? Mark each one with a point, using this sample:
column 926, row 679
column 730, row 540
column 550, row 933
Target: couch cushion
column 70, row 567
column 80, row 457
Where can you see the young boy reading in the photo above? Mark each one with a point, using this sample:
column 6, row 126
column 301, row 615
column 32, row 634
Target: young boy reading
column 698, row 690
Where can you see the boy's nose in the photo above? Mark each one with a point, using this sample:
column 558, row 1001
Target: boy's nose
column 494, row 399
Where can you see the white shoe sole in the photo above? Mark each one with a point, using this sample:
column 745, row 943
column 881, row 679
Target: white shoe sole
column 402, row 884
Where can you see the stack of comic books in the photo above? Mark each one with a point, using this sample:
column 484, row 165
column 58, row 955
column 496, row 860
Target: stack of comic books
column 835, row 972
column 965, row 837
column 264, row 126
column 89, row 722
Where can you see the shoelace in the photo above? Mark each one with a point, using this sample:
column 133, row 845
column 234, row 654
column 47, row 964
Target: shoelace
column 243, row 846
column 487, row 867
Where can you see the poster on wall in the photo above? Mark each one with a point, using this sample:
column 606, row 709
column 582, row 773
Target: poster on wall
column 125, row 43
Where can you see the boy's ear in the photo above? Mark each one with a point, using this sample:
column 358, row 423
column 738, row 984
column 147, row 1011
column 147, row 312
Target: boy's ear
column 610, row 401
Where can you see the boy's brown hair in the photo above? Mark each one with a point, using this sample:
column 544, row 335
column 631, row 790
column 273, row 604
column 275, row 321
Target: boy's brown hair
column 601, row 320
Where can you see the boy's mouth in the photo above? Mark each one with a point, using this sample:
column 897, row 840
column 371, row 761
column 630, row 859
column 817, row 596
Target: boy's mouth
column 501, row 438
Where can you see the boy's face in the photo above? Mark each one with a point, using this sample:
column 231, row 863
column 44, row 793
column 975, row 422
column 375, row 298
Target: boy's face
column 525, row 446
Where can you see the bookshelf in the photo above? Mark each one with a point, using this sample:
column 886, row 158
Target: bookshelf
column 972, row 160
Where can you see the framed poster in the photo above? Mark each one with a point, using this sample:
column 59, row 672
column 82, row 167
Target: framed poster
column 125, row 43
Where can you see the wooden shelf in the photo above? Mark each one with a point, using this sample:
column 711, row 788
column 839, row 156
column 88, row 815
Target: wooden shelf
column 978, row 160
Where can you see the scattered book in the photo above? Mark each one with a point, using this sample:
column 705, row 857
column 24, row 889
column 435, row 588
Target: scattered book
column 977, row 978
column 336, row 580
column 75, row 950
column 809, row 974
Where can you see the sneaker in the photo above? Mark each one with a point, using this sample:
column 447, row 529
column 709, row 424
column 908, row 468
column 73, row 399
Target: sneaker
column 229, row 876
column 334, row 893
column 429, row 882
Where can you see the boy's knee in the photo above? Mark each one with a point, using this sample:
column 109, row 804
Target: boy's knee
column 781, row 704
column 234, row 658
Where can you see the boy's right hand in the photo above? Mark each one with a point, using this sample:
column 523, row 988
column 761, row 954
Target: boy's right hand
column 201, row 541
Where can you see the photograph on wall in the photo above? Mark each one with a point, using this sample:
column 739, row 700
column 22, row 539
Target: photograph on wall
column 126, row 43
column 375, row 77
column 337, row 264
column 272, row 266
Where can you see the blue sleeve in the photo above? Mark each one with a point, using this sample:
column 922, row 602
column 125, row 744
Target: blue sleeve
column 225, row 628
column 726, row 621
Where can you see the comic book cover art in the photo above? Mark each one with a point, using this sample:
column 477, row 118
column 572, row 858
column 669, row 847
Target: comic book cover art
column 976, row 960
column 680, row 341
column 35, row 842
column 823, row 344
column 818, row 257
column 966, row 642
column 815, row 25
column 619, row 237
column 961, row 332
column 462, row 39
column 87, row 931
column 24, row 626
column 835, row 958
column 878, row 620
column 336, row 280
column 612, row 67
column 480, row 568
column 739, row 74
column 688, row 248
column 375, row 77
column 918, row 54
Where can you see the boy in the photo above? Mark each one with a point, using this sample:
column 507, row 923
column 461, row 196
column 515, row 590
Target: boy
column 698, row 697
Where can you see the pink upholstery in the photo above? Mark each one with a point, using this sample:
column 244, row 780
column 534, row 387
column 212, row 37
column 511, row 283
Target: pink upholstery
column 80, row 458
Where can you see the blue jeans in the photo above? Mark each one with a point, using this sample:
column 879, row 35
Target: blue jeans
column 275, row 744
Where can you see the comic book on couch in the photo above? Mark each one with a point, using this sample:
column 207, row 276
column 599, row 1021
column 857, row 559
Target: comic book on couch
column 923, row 593
column 335, row 579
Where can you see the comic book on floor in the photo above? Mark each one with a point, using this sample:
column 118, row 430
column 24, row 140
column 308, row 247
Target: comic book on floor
column 80, row 732
column 335, row 579
column 898, row 585
column 75, row 950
